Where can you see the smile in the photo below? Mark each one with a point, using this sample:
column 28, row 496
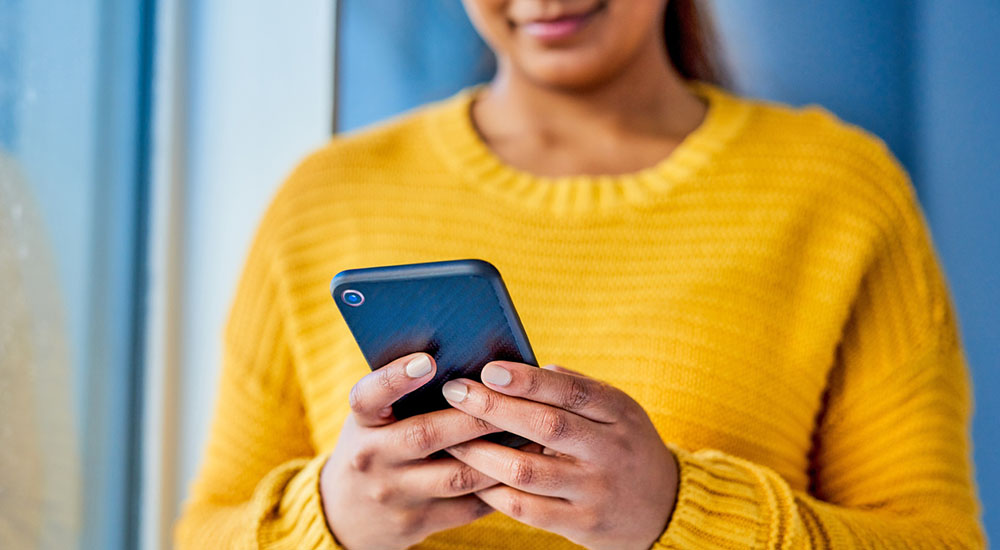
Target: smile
column 561, row 26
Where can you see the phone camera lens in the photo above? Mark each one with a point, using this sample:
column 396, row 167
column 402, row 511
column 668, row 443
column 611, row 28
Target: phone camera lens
column 352, row 298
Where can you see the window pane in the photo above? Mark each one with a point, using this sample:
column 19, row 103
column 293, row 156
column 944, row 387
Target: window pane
column 73, row 82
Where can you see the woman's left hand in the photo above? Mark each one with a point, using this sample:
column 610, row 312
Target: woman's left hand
column 604, row 480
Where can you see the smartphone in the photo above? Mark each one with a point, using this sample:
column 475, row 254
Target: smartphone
column 458, row 312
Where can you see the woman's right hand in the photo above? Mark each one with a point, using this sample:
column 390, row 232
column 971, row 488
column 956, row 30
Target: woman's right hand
column 379, row 489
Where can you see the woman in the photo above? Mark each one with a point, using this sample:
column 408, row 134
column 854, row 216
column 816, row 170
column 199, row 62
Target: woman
column 762, row 343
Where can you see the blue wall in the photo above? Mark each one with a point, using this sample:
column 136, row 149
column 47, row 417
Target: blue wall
column 396, row 54
column 958, row 103
column 922, row 75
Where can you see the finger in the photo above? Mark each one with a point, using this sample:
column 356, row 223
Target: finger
column 431, row 515
column 564, row 370
column 446, row 513
column 573, row 392
column 552, row 427
column 533, row 473
column 442, row 478
column 372, row 397
column 532, row 448
column 546, row 513
column 420, row 436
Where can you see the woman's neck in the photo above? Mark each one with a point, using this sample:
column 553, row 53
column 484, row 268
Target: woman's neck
column 647, row 98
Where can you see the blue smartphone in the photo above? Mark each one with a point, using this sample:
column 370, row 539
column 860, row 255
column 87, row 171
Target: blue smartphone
column 458, row 312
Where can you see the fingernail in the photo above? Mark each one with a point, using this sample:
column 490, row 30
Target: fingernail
column 495, row 374
column 418, row 366
column 385, row 412
column 455, row 391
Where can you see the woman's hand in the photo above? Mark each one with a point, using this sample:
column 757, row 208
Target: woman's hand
column 605, row 479
column 378, row 490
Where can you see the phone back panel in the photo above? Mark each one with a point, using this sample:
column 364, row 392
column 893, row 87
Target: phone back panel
column 459, row 312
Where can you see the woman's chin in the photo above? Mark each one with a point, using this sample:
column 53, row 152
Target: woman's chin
column 567, row 73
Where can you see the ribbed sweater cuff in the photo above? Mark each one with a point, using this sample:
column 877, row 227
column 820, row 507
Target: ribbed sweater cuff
column 718, row 505
column 299, row 521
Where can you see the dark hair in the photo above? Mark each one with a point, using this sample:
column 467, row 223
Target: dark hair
column 692, row 43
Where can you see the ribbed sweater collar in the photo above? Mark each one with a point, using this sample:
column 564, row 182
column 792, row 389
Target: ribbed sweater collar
column 455, row 138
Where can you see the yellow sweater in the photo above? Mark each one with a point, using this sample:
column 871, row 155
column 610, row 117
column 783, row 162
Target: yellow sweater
column 769, row 293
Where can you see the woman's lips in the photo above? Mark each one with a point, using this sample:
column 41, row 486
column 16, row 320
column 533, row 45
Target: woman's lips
column 558, row 28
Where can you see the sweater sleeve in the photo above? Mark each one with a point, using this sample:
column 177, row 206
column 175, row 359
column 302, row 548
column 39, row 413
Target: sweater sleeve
column 890, row 463
column 258, row 487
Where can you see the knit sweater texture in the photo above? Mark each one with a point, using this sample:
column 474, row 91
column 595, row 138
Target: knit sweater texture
column 769, row 293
